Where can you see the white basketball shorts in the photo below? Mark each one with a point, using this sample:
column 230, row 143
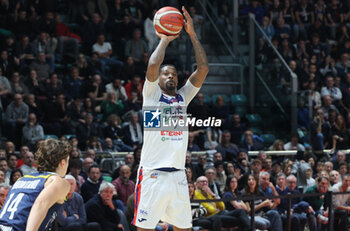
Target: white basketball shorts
column 161, row 195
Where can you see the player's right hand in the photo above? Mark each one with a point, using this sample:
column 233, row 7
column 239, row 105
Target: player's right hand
column 168, row 38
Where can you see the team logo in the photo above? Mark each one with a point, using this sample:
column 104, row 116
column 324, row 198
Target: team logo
column 154, row 175
column 152, row 118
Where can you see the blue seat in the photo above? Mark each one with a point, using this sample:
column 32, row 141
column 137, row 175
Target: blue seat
column 50, row 136
column 254, row 119
column 238, row 100
column 240, row 110
column 268, row 139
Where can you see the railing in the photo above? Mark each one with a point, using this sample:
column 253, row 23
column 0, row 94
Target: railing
column 240, row 82
column 329, row 195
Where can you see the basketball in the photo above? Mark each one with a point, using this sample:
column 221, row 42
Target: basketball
column 168, row 20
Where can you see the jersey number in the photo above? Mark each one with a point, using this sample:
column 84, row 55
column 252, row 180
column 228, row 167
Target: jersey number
column 12, row 205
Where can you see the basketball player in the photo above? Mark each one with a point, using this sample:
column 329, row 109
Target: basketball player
column 162, row 191
column 34, row 200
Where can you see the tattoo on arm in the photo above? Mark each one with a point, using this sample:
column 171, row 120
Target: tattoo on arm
column 201, row 57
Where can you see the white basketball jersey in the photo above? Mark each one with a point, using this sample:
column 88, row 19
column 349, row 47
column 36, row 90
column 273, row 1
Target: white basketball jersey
column 164, row 148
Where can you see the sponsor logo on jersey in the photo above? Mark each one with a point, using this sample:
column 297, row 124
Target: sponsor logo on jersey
column 142, row 219
column 154, row 175
column 143, row 212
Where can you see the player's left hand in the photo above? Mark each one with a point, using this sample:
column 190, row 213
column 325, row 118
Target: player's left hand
column 189, row 28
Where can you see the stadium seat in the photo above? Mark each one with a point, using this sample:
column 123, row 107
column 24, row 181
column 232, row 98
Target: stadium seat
column 215, row 96
column 68, row 136
column 207, row 99
column 268, row 139
column 254, row 119
column 50, row 136
column 256, row 131
column 238, row 100
column 240, row 110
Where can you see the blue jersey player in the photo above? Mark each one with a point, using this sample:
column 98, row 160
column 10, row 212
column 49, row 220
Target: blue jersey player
column 34, row 200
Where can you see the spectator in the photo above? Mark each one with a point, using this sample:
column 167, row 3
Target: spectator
column 282, row 31
column 92, row 184
column 328, row 105
column 251, row 188
column 221, row 110
column 134, row 85
column 87, row 163
column 17, row 85
column 100, row 6
column 199, row 212
column 90, row 31
column 343, row 65
column 294, row 144
column 340, row 203
column 32, row 132
column 102, row 209
column 192, row 146
column 28, row 166
column 331, row 90
column 135, row 47
column 110, row 106
column 345, row 89
column 210, row 174
column 123, row 185
column 104, row 51
column 254, row 8
column 134, row 103
column 199, row 169
column 12, row 162
column 68, row 42
column 227, row 149
column 16, row 117
column 340, row 134
column 45, row 44
column 87, row 129
column 150, row 33
column 129, row 69
column 117, row 87
column 15, row 175
column 236, row 217
column 72, row 215
column 251, row 142
column 134, row 10
column 133, row 132
column 5, row 90
column 41, row 67
column 25, row 53
column 7, row 66
column 267, row 27
column 317, row 204
column 220, row 177
column 4, row 189
column 304, row 16
column 75, row 166
column 334, row 177
column 4, row 167
column 298, row 220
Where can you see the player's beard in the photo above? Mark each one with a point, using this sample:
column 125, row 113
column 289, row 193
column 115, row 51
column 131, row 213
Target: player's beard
column 170, row 87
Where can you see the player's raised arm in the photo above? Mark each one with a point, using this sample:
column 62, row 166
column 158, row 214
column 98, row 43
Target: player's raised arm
column 157, row 56
column 197, row 78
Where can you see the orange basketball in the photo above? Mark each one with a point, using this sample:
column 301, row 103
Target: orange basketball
column 168, row 20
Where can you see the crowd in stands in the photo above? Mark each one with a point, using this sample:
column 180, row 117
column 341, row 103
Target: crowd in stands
column 75, row 69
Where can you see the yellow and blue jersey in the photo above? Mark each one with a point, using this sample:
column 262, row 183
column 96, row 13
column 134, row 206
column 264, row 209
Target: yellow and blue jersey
column 14, row 214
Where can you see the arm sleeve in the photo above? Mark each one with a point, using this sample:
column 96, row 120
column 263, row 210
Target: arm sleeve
column 188, row 91
column 81, row 211
column 151, row 90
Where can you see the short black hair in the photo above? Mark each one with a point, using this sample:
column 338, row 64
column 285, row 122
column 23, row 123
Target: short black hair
column 93, row 166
